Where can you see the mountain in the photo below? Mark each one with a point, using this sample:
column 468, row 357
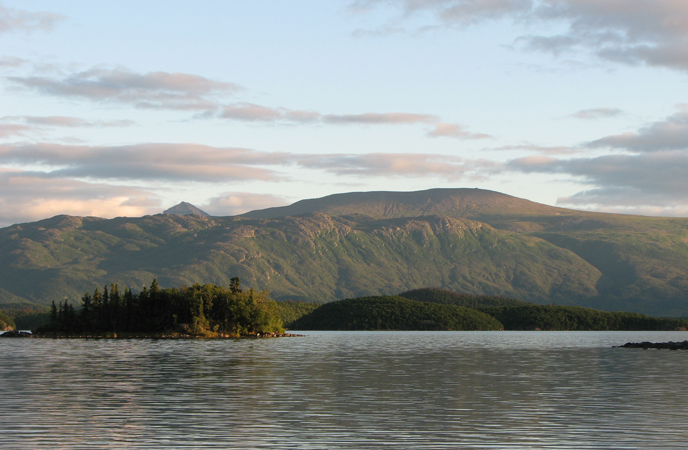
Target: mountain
column 464, row 203
column 186, row 209
column 363, row 244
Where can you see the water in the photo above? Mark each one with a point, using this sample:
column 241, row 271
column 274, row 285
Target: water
column 347, row 390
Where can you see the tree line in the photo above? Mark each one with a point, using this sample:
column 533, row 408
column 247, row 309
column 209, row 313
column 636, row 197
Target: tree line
column 207, row 310
column 393, row 313
column 555, row 317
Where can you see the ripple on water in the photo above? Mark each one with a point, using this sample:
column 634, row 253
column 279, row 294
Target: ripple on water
column 337, row 390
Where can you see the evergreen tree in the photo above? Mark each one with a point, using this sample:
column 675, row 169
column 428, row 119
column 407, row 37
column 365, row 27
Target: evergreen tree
column 234, row 284
column 87, row 311
column 201, row 310
column 53, row 312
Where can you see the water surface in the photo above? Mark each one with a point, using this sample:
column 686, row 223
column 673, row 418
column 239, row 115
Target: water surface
column 347, row 390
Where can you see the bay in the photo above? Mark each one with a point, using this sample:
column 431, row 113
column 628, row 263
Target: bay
column 347, row 390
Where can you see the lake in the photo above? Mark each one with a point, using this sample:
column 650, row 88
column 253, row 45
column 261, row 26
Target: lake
column 347, row 390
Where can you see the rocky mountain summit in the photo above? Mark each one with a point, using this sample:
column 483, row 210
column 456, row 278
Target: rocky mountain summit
column 186, row 209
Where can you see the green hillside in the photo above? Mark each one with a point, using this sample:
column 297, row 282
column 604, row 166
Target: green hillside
column 393, row 313
column 447, row 297
column 520, row 315
column 362, row 244
column 551, row 317
column 315, row 257
column 290, row 311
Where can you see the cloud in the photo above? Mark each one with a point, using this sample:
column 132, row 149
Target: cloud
column 18, row 20
column 30, row 196
column 154, row 90
column 12, row 61
column 597, row 113
column 668, row 134
column 453, row 12
column 651, row 177
column 171, row 162
column 250, row 112
column 180, row 91
column 455, row 131
column 647, row 180
column 256, row 113
column 195, row 162
column 628, row 31
column 59, row 182
column 399, row 164
column 379, row 118
column 551, row 150
column 234, row 203
column 632, row 32
column 70, row 122
column 11, row 129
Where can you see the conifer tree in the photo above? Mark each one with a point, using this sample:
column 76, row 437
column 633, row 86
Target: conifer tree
column 234, row 284
column 53, row 312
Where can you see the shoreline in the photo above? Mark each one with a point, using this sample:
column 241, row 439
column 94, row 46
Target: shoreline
column 131, row 335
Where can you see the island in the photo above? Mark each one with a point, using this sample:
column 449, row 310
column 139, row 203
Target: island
column 207, row 311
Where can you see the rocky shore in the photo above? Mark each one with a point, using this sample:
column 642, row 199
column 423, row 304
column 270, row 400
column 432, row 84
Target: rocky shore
column 15, row 334
column 658, row 345
column 133, row 335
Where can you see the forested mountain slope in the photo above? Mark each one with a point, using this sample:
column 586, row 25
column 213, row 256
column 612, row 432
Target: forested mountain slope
column 362, row 244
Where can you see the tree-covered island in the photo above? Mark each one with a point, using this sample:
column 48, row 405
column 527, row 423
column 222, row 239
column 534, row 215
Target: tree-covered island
column 198, row 311
column 217, row 311
column 439, row 309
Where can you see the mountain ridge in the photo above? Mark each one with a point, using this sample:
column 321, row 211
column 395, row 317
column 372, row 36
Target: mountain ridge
column 460, row 202
column 465, row 240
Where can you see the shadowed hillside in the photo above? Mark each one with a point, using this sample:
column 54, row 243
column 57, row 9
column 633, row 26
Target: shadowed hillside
column 447, row 297
column 394, row 313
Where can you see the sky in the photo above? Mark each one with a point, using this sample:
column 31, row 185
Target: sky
column 126, row 108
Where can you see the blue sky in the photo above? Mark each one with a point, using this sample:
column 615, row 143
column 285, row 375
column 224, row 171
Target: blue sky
column 127, row 108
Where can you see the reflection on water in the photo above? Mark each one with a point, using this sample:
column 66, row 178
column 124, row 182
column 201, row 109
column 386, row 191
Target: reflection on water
column 336, row 390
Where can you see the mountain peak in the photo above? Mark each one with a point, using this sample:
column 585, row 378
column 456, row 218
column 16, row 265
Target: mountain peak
column 186, row 209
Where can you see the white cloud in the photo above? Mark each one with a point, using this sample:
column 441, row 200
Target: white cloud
column 174, row 162
column 631, row 32
column 155, row 90
column 234, row 203
column 455, row 131
column 195, row 162
column 250, row 112
column 12, row 61
column 597, row 113
column 400, row 165
column 12, row 129
column 63, row 121
column 379, row 118
column 453, row 12
column 29, row 196
column 19, row 20
column 543, row 149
